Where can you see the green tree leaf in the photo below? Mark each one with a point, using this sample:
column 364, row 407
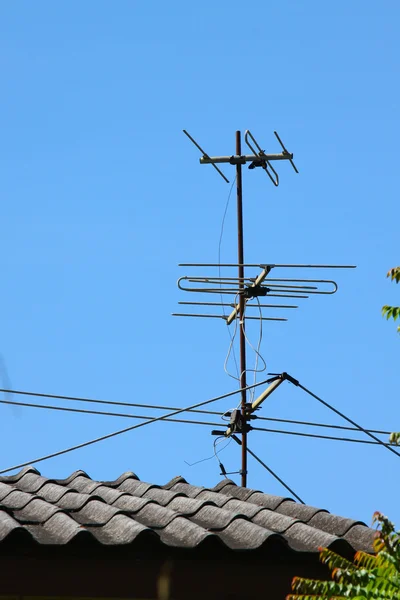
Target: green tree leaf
column 367, row 578
column 392, row 311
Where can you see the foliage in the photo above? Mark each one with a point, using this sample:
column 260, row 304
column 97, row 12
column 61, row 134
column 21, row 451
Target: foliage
column 375, row 577
column 394, row 274
column 392, row 311
column 395, row 438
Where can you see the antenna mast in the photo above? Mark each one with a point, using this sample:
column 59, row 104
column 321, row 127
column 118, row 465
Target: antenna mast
column 242, row 340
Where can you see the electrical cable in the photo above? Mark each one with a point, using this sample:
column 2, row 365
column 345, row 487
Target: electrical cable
column 233, row 336
column 216, row 452
column 103, row 413
column 225, row 416
column 217, row 441
column 163, row 407
column 256, row 350
column 315, row 435
column 232, row 349
column 252, row 392
column 368, row 433
column 311, row 424
column 269, row 470
column 125, row 430
column 186, row 421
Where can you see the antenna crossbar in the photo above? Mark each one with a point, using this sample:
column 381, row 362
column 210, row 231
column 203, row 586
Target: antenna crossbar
column 240, row 160
column 265, row 265
column 225, row 318
column 248, row 305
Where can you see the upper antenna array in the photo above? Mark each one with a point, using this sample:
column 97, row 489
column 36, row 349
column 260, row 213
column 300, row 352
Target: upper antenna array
column 241, row 290
column 258, row 159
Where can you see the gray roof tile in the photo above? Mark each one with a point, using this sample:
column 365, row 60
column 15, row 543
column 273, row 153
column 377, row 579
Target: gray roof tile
column 268, row 500
column 36, row 511
column 244, row 535
column 5, row 490
column 52, row 492
column 137, row 488
column 70, row 478
column 214, row 497
column 7, row 525
column 121, row 479
column 108, row 494
column 242, row 508
column 273, row 521
column 131, row 503
column 59, row 529
column 120, row 530
column 173, row 481
column 161, row 496
column 187, row 506
column 155, row 516
column 302, row 537
column 83, row 485
column 332, row 523
column 235, row 491
column 298, row 511
column 17, row 499
column 213, row 517
column 220, row 486
column 31, row 482
column 188, row 490
column 177, row 514
column 361, row 537
column 182, row 533
column 74, row 500
column 95, row 513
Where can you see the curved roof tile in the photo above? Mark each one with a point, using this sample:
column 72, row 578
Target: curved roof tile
column 177, row 514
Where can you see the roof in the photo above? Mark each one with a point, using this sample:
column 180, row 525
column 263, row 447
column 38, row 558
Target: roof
column 128, row 511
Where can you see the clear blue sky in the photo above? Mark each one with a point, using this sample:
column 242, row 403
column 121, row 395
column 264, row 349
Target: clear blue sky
column 102, row 196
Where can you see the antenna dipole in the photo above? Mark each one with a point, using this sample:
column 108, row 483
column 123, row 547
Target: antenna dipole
column 242, row 316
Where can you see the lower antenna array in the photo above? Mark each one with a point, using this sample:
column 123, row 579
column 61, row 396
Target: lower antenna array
column 250, row 288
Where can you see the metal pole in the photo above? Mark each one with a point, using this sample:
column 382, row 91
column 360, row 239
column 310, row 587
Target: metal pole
column 242, row 339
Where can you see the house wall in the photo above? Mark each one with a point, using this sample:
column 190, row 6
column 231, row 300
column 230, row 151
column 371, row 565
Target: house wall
column 116, row 575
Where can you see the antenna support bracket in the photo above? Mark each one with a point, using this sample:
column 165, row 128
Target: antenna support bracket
column 290, row 378
column 254, row 291
column 237, row 424
column 234, row 160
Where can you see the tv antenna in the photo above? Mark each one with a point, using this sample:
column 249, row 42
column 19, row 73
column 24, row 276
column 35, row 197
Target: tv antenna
column 240, row 290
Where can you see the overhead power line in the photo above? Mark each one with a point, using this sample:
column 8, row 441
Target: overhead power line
column 314, row 435
column 103, row 413
column 174, row 412
column 163, row 407
column 313, row 424
column 187, row 421
column 126, row 429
